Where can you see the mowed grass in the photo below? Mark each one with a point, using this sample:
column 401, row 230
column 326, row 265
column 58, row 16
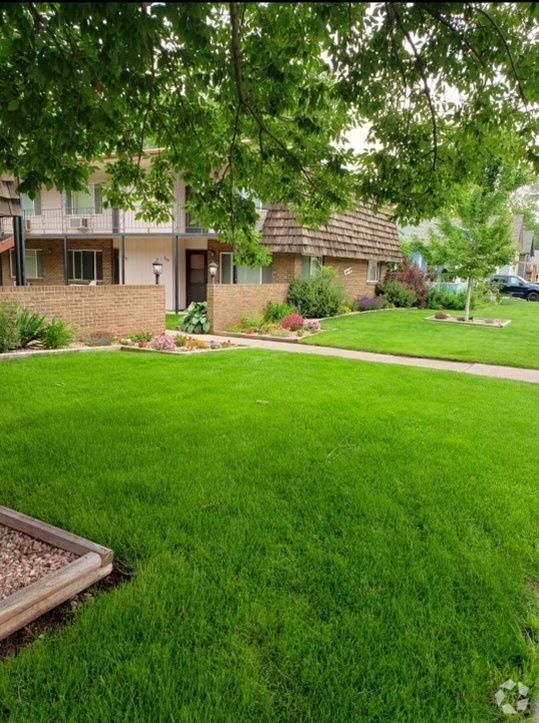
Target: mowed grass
column 406, row 331
column 313, row 539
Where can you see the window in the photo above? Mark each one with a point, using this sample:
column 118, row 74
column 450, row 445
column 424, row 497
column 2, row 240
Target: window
column 31, row 207
column 230, row 274
column 259, row 205
column 85, row 202
column 32, row 263
column 373, row 271
column 191, row 223
column 226, row 267
column 310, row 265
column 85, row 265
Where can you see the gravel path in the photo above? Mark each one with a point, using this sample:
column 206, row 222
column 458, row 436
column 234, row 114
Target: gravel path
column 24, row 560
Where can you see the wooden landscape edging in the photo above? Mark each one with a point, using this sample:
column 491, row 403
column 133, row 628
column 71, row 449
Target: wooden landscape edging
column 25, row 605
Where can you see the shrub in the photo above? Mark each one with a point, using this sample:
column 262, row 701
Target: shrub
column 441, row 315
column 316, row 296
column 452, row 300
column 31, row 326
column 414, row 278
column 163, row 343
column 368, row 303
column 57, row 334
column 9, row 326
column 180, row 340
column 195, row 320
column 99, row 338
column 397, row 294
column 312, row 325
column 276, row 311
column 293, row 322
column 142, row 336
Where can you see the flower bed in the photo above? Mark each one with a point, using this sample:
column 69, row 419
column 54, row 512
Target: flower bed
column 472, row 321
column 291, row 328
column 173, row 344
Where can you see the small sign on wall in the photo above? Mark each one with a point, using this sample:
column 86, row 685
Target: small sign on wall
column 347, row 271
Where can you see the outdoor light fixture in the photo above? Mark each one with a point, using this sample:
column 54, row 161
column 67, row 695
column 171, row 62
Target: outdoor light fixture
column 213, row 271
column 157, row 268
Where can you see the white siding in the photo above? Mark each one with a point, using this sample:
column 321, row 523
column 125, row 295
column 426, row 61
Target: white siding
column 140, row 252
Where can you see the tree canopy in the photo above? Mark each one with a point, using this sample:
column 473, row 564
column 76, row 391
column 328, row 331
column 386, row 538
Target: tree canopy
column 259, row 96
column 474, row 234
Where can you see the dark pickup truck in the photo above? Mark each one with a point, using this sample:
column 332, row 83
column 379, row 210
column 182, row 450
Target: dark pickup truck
column 516, row 286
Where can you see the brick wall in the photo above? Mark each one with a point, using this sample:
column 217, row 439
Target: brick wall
column 288, row 266
column 52, row 259
column 285, row 267
column 119, row 310
column 355, row 284
column 229, row 303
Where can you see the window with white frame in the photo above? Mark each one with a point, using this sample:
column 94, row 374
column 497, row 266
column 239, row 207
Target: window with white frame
column 310, row 265
column 230, row 274
column 373, row 271
column 32, row 263
column 31, row 207
column 85, row 265
column 87, row 201
column 226, row 267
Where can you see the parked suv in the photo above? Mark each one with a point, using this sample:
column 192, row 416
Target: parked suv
column 516, row 286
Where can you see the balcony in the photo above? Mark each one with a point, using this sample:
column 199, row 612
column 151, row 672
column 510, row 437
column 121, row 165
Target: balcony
column 85, row 222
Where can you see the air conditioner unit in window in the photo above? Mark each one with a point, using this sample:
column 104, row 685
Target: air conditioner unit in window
column 27, row 224
column 78, row 222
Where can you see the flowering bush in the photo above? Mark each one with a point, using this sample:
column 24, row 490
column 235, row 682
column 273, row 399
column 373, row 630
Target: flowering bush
column 99, row 338
column 193, row 344
column 294, row 322
column 368, row 303
column 163, row 343
column 311, row 325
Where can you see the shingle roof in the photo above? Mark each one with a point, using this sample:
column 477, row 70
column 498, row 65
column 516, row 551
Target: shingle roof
column 10, row 204
column 358, row 234
column 527, row 242
column 518, row 223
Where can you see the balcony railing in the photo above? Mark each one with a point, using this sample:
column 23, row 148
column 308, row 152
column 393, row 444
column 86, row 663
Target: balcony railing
column 55, row 222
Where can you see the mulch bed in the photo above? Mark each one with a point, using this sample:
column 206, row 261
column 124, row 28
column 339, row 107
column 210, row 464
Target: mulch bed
column 25, row 560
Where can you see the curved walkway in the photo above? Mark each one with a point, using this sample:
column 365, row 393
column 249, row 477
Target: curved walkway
column 485, row 370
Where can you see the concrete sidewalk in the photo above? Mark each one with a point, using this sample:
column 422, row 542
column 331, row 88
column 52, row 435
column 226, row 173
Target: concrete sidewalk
column 485, row 370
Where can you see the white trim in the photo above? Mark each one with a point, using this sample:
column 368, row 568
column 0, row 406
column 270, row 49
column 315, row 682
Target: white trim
column 37, row 262
column 314, row 264
column 71, row 271
column 370, row 265
column 221, row 254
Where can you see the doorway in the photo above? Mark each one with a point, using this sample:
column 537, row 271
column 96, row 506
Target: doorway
column 196, row 275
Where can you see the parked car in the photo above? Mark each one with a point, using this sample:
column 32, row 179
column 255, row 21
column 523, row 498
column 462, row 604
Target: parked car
column 516, row 286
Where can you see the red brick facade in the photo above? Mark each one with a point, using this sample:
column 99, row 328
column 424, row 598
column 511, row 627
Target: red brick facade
column 119, row 310
column 229, row 303
column 52, row 259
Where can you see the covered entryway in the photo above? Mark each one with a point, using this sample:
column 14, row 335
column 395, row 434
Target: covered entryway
column 196, row 275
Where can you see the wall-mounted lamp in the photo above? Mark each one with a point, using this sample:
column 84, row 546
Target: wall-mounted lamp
column 213, row 271
column 157, row 269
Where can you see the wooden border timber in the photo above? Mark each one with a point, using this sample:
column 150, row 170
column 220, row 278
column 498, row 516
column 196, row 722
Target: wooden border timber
column 25, row 605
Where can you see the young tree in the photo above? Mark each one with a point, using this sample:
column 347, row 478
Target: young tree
column 474, row 234
column 258, row 96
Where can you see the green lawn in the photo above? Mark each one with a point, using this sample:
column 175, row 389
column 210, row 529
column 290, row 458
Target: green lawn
column 313, row 539
column 405, row 331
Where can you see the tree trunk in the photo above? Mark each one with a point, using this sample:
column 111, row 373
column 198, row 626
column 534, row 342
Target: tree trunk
column 468, row 299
